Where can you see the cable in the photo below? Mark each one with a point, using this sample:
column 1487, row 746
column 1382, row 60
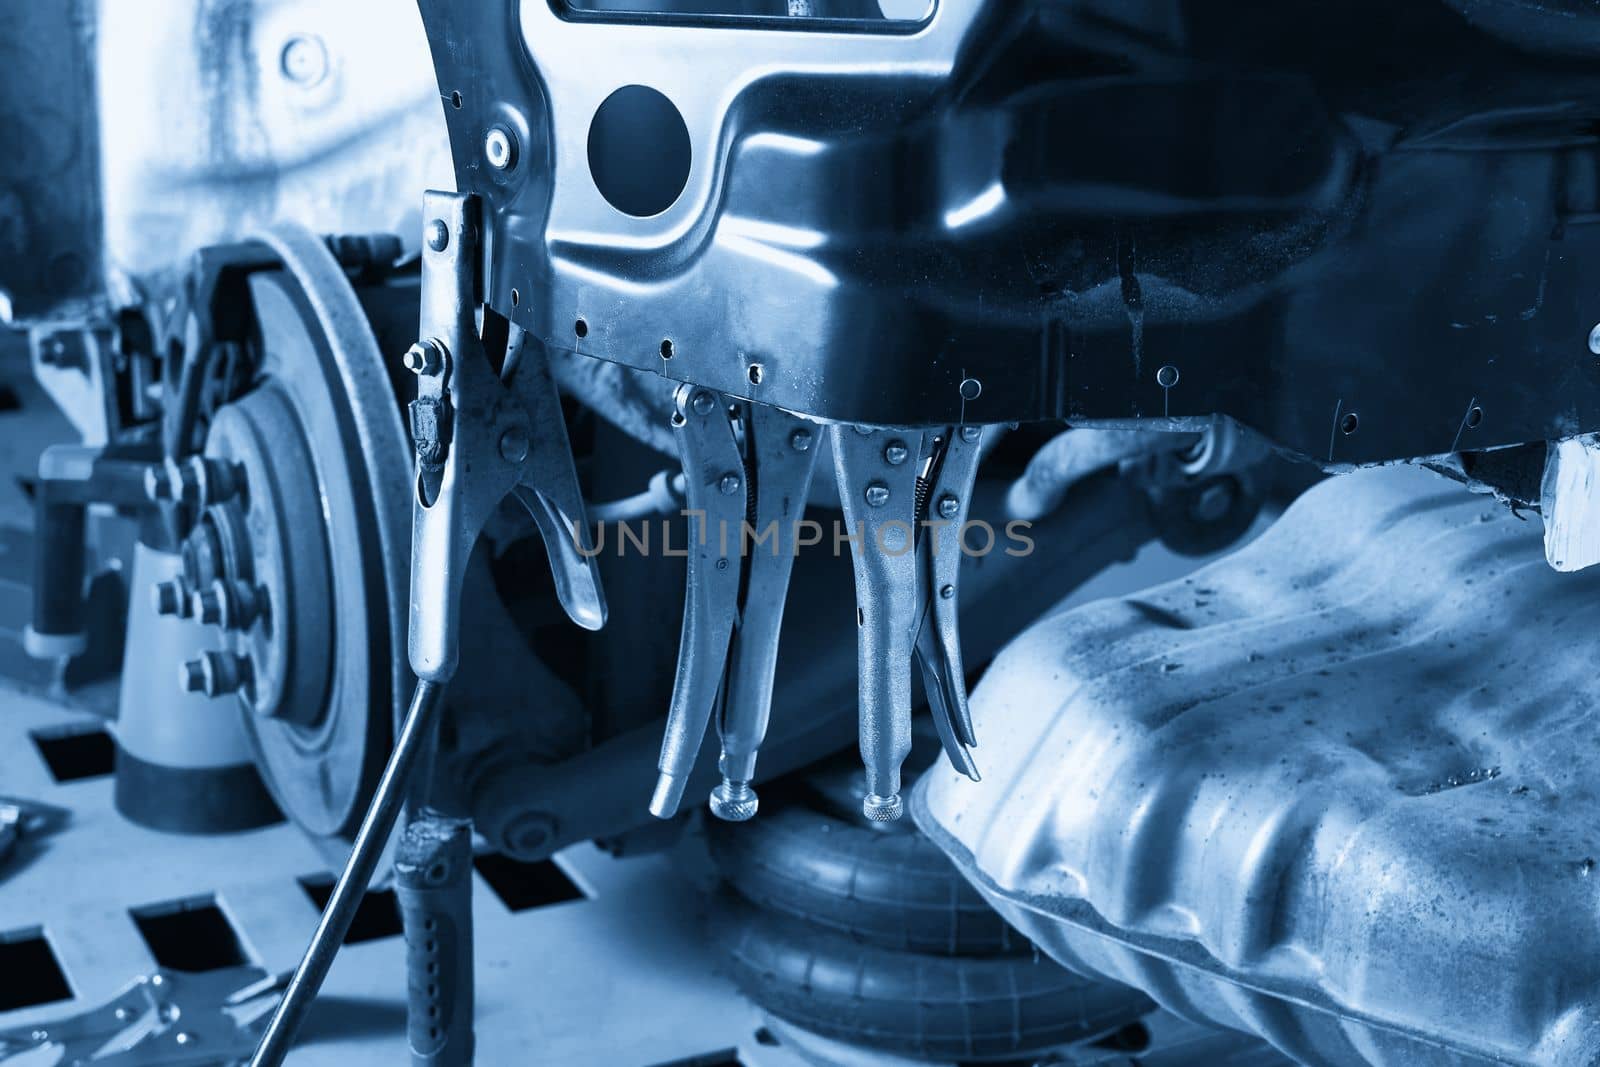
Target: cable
column 415, row 734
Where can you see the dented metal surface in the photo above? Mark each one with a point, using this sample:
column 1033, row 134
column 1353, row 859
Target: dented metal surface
column 1333, row 789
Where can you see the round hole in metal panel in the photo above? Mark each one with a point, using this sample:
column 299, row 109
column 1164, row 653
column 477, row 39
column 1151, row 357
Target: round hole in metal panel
column 639, row 151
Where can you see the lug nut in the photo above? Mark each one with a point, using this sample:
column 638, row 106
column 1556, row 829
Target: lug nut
column 206, row 605
column 949, row 507
column 425, row 358
column 215, row 481
column 192, row 676
column 171, row 598
column 216, row 673
column 196, row 480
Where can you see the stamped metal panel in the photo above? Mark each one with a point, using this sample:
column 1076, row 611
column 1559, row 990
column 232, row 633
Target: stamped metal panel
column 1298, row 215
column 1337, row 789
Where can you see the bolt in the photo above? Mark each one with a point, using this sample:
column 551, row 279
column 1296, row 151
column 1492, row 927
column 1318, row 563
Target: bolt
column 238, row 604
column 156, row 486
column 877, row 494
column 729, row 484
column 947, row 591
column 499, row 149
column 424, row 358
column 800, row 440
column 514, row 445
column 216, row 673
column 949, row 507
column 171, row 598
column 703, row 403
column 734, row 801
column 183, row 1037
column 970, row 434
column 1594, row 340
column 206, row 605
column 192, row 677
column 213, row 481
column 175, row 482
column 438, row 235
column 895, row 453
column 882, row 809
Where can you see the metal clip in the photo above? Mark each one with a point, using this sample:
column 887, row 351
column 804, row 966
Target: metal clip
column 747, row 470
column 482, row 435
column 905, row 510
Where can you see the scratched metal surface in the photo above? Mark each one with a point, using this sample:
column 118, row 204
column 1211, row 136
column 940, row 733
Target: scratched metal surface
column 1337, row 789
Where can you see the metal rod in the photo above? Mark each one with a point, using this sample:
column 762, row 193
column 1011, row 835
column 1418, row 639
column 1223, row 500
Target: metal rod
column 415, row 733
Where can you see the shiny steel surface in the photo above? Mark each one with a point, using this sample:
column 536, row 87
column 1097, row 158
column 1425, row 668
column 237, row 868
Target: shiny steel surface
column 1336, row 789
column 1093, row 210
column 322, row 359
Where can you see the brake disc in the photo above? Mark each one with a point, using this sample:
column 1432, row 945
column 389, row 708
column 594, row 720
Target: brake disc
column 322, row 535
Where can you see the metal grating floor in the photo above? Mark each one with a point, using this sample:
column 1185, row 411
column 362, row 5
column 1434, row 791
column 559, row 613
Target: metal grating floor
column 619, row 977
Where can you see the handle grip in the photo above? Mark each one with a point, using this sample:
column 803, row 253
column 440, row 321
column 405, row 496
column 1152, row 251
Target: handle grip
column 433, row 881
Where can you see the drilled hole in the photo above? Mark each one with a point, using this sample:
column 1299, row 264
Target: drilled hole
column 1474, row 417
column 516, row 298
column 666, row 349
column 455, row 100
column 581, row 328
column 1350, row 423
column 756, row 374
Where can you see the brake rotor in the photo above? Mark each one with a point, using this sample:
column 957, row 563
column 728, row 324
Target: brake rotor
column 316, row 549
